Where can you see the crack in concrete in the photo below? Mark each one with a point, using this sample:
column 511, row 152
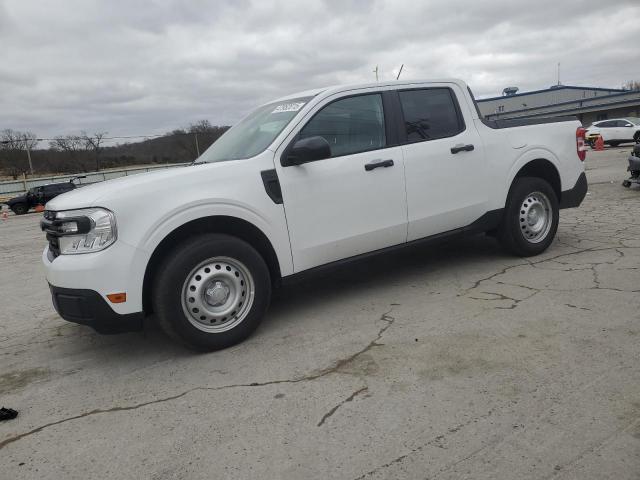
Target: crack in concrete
column 436, row 441
column 575, row 306
column 536, row 264
column 561, row 469
column 334, row 368
column 335, row 409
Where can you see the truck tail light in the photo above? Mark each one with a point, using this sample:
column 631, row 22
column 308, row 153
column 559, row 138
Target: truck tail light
column 581, row 146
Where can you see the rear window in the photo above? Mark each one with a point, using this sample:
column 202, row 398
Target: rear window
column 430, row 114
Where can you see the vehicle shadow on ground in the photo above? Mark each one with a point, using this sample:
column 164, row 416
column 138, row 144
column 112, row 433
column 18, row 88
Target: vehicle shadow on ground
column 419, row 261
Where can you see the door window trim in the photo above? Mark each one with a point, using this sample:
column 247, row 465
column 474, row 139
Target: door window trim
column 389, row 130
column 403, row 130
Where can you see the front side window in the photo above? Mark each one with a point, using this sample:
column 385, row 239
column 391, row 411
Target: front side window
column 429, row 114
column 253, row 134
column 608, row 124
column 350, row 125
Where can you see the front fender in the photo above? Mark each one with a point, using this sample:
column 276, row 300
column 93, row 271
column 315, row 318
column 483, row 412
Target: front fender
column 269, row 223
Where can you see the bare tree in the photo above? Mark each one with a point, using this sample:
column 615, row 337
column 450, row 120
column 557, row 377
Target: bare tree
column 633, row 85
column 201, row 126
column 184, row 140
column 73, row 146
column 15, row 151
column 92, row 142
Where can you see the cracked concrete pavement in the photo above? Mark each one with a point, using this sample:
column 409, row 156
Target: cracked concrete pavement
column 456, row 361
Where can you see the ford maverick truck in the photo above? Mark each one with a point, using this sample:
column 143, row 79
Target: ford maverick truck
column 307, row 181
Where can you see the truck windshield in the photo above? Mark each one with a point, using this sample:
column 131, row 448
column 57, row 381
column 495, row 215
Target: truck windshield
column 254, row 133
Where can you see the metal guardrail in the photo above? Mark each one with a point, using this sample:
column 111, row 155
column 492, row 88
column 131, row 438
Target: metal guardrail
column 14, row 187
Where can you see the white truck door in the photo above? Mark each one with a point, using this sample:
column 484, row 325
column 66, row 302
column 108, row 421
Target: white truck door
column 444, row 158
column 353, row 202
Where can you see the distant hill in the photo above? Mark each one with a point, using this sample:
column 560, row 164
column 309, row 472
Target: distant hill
column 78, row 156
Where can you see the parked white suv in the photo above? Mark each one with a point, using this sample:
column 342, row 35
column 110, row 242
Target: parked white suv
column 616, row 131
column 310, row 180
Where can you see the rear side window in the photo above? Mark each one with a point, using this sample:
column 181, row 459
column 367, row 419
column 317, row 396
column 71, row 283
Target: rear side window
column 430, row 113
column 55, row 188
column 350, row 125
column 608, row 124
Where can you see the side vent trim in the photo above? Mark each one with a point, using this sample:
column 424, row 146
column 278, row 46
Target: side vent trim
column 272, row 185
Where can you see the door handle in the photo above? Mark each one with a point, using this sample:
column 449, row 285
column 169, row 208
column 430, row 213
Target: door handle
column 378, row 163
column 462, row 148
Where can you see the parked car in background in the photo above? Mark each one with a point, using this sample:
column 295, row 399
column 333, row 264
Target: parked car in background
column 40, row 195
column 614, row 132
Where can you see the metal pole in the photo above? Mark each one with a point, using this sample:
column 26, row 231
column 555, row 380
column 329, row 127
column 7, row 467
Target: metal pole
column 197, row 147
column 29, row 157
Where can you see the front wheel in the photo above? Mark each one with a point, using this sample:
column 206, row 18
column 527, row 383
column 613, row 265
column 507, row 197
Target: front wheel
column 530, row 217
column 636, row 137
column 20, row 208
column 212, row 291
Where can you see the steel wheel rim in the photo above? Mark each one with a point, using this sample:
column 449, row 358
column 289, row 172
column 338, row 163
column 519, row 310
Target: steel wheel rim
column 535, row 217
column 217, row 295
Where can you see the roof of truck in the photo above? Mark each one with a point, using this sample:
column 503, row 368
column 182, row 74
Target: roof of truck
column 357, row 86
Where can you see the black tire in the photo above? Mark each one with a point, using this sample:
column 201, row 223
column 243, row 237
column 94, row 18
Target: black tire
column 169, row 287
column 626, row 183
column 20, row 208
column 636, row 137
column 511, row 230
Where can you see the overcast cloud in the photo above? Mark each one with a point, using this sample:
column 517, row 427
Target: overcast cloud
column 143, row 67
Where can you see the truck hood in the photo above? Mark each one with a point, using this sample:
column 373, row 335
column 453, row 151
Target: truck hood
column 98, row 194
column 18, row 199
column 126, row 193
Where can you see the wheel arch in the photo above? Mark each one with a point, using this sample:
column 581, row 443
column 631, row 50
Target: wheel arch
column 540, row 168
column 230, row 225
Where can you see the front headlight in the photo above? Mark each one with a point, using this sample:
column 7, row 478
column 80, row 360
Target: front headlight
column 86, row 230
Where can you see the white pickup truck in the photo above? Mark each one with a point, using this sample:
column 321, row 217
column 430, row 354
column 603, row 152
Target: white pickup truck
column 307, row 181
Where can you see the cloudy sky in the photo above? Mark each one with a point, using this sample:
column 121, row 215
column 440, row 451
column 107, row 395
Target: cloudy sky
column 134, row 67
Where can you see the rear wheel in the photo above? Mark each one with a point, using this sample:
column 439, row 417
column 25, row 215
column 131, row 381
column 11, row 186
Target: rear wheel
column 530, row 218
column 212, row 291
column 20, row 208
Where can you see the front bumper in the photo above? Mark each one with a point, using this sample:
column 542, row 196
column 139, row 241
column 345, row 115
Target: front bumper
column 119, row 268
column 87, row 307
column 573, row 197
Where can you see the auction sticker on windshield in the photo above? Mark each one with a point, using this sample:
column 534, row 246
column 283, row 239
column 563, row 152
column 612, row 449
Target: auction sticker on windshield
column 288, row 107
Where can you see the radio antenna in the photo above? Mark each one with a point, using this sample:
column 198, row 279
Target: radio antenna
column 401, row 67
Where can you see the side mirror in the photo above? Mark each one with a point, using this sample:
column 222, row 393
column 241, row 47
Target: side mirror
column 306, row 150
column 628, row 125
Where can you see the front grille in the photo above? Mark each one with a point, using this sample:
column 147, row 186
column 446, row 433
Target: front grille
column 51, row 228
